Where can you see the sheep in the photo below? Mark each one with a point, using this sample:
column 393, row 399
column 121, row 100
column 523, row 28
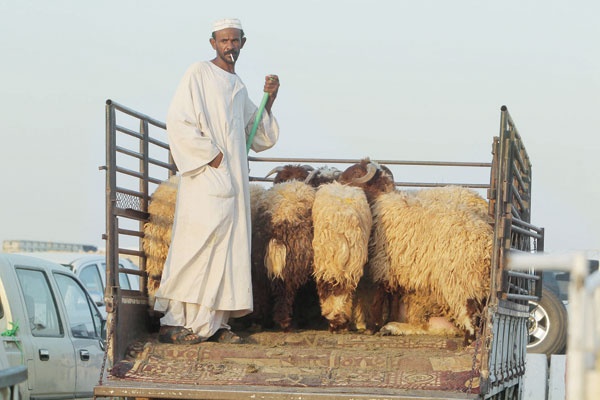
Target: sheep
column 283, row 233
column 342, row 225
column 157, row 231
column 429, row 250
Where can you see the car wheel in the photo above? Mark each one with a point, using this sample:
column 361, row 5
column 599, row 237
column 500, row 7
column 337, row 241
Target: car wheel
column 547, row 324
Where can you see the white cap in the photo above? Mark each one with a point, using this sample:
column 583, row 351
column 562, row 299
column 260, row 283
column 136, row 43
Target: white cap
column 227, row 23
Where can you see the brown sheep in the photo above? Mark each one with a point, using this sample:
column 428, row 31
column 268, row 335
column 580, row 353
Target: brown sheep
column 283, row 236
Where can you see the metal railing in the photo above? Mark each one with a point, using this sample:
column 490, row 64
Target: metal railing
column 505, row 331
column 132, row 175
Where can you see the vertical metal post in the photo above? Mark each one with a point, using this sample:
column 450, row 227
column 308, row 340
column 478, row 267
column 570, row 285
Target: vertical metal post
column 112, row 239
column 576, row 370
column 144, row 188
column 112, row 243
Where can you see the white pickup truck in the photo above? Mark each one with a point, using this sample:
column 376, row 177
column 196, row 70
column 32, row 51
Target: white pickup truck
column 49, row 323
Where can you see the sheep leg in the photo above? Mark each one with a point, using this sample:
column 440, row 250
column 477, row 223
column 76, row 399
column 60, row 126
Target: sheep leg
column 283, row 296
column 376, row 315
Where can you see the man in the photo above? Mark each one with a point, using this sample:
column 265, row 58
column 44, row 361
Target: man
column 206, row 279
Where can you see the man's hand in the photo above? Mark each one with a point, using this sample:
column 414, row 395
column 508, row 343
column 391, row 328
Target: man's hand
column 216, row 161
column 271, row 87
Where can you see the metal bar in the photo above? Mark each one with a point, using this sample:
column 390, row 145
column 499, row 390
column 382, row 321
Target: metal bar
column 136, row 114
column 129, row 172
column 129, row 192
column 131, row 214
column 130, row 232
column 386, row 162
column 128, row 152
column 128, row 131
column 159, row 143
column 517, row 174
column 164, row 165
column 111, row 199
column 144, row 188
column 522, row 275
column 406, row 184
column 527, row 225
column 526, row 232
column 131, row 271
column 519, row 159
column 522, row 295
column 130, row 252
column 517, row 197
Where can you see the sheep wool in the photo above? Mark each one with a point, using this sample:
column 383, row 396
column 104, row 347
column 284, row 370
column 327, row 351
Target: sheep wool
column 441, row 253
column 342, row 224
column 455, row 196
column 286, row 216
column 158, row 230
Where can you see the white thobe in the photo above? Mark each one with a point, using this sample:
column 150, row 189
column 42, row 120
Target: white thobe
column 208, row 264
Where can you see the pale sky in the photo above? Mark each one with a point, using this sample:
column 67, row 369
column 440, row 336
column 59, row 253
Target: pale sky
column 406, row 80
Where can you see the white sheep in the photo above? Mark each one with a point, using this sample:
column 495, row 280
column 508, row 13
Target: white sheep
column 441, row 254
column 342, row 225
column 434, row 249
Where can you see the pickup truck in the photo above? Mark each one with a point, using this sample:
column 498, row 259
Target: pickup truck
column 51, row 326
column 90, row 268
column 314, row 363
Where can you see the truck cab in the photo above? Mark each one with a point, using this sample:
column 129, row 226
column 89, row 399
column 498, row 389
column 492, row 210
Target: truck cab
column 49, row 324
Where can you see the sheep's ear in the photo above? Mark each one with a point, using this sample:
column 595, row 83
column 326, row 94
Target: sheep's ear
column 387, row 171
column 275, row 259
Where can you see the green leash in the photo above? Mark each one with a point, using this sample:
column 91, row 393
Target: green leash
column 259, row 114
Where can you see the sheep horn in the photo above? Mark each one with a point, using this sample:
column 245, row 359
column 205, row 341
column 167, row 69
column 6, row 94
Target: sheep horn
column 310, row 176
column 308, row 167
column 371, row 171
column 274, row 171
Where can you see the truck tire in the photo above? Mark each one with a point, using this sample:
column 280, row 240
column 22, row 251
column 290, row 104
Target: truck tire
column 547, row 324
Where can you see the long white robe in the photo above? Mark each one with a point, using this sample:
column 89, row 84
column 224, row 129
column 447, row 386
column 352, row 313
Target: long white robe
column 209, row 257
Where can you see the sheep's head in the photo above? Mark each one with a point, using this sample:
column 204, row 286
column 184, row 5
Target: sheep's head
column 370, row 176
column 290, row 173
column 322, row 176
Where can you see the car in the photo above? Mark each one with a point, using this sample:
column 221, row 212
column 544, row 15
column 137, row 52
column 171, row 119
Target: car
column 51, row 325
column 548, row 317
column 91, row 270
column 10, row 377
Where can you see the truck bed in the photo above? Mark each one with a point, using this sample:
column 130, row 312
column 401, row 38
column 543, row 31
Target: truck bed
column 302, row 364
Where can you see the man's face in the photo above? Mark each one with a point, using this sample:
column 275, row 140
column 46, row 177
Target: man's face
column 228, row 42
